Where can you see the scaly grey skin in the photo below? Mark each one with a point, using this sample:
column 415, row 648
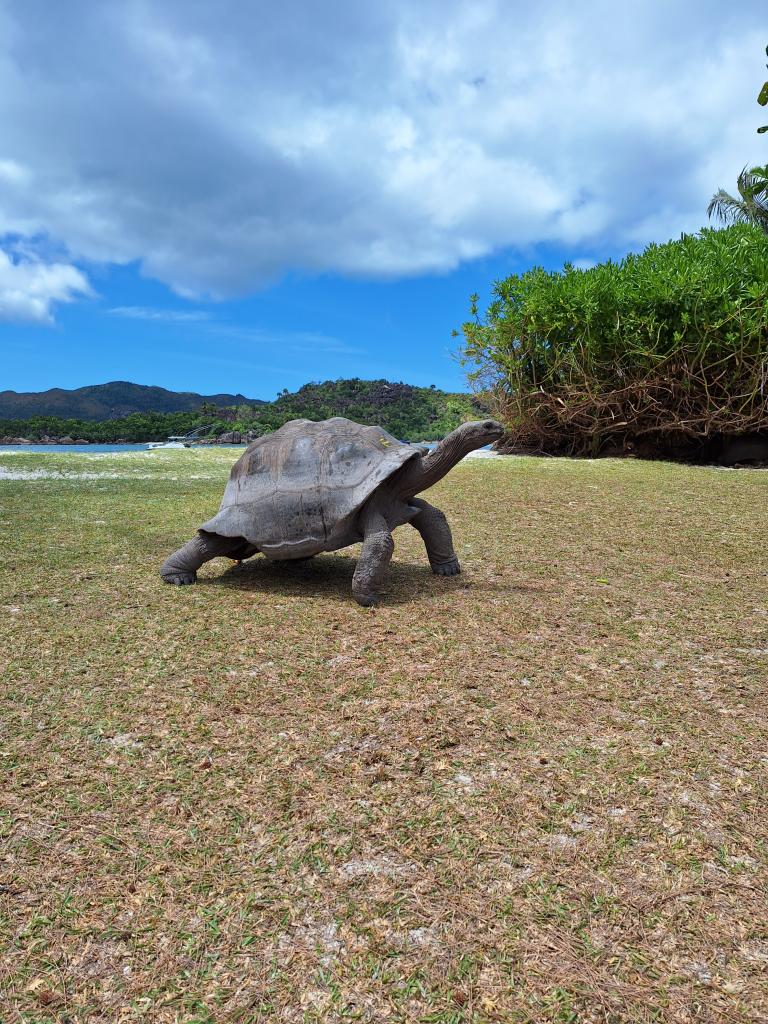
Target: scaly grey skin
column 395, row 503
column 392, row 503
column 374, row 557
column 181, row 567
column 436, row 534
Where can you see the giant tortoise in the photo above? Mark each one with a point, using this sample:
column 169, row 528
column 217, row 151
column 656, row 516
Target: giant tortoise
column 311, row 487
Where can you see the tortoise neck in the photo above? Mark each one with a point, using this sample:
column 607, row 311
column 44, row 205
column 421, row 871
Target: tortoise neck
column 421, row 473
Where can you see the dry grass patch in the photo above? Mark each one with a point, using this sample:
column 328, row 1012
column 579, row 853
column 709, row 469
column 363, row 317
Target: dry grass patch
column 533, row 793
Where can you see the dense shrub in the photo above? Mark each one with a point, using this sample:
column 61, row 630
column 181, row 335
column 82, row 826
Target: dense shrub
column 663, row 351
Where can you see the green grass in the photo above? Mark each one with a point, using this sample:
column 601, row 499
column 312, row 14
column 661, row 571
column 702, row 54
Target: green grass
column 532, row 793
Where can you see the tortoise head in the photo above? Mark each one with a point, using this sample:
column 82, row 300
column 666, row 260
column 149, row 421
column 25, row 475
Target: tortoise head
column 473, row 435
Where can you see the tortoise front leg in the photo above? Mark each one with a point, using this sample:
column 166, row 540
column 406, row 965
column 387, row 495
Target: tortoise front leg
column 181, row 567
column 374, row 558
column 436, row 534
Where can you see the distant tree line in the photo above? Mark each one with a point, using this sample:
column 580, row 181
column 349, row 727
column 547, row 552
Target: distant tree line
column 410, row 413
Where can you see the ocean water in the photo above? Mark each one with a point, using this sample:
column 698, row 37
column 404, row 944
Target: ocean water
column 94, row 447
column 72, row 447
column 132, row 447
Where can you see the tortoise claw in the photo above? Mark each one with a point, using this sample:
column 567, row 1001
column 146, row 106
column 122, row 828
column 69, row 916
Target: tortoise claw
column 180, row 579
column 451, row 568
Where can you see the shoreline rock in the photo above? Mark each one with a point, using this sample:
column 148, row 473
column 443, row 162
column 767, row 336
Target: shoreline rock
column 45, row 440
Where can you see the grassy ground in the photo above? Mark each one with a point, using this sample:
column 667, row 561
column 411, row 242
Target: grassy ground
column 536, row 792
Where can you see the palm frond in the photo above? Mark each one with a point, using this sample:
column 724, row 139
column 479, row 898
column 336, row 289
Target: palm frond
column 753, row 181
column 751, row 207
column 727, row 209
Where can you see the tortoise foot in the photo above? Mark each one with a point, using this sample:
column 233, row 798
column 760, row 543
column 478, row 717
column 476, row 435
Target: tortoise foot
column 451, row 568
column 179, row 579
column 366, row 600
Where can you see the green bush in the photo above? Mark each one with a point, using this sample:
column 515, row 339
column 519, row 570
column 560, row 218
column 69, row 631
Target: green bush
column 662, row 351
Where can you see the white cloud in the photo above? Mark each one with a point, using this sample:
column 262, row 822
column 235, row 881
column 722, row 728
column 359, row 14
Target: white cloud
column 12, row 172
column 226, row 333
column 28, row 289
column 285, row 341
column 220, row 146
column 171, row 316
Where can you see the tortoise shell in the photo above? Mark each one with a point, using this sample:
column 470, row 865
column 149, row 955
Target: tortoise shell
column 297, row 491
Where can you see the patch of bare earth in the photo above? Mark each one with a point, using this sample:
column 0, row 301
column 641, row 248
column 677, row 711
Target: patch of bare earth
column 532, row 793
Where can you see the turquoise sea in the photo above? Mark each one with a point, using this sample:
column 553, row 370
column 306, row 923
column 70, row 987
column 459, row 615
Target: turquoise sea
column 91, row 447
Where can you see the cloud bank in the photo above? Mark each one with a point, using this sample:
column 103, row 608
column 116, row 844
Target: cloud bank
column 219, row 146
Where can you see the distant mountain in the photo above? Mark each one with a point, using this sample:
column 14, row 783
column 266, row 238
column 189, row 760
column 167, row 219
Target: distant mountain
column 108, row 401
column 130, row 412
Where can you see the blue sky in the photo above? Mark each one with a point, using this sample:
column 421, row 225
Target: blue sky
column 215, row 198
column 297, row 330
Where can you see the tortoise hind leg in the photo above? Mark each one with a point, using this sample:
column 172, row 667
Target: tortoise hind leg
column 181, row 567
column 436, row 534
column 374, row 558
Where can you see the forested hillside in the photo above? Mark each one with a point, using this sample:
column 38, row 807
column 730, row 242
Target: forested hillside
column 106, row 401
column 408, row 412
column 404, row 410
